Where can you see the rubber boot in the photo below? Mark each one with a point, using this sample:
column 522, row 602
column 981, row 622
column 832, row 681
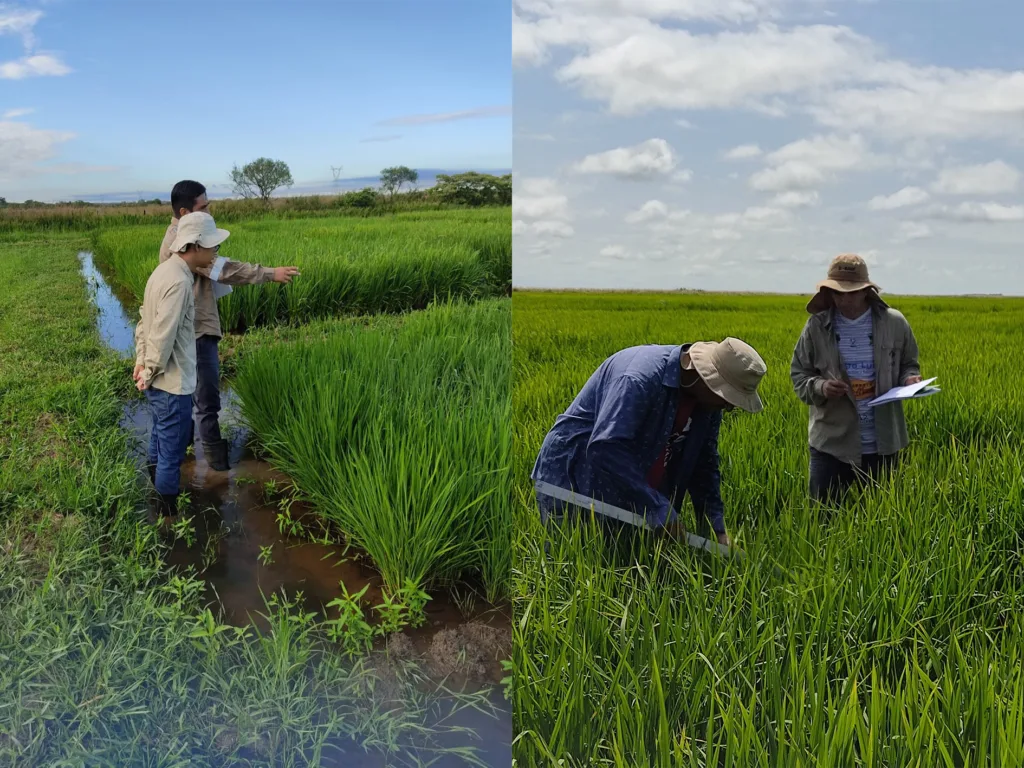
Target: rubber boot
column 151, row 470
column 167, row 505
column 217, row 455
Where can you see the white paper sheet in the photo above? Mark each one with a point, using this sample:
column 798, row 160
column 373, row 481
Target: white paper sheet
column 219, row 289
column 921, row 389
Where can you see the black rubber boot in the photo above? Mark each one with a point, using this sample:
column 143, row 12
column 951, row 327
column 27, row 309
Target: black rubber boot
column 151, row 469
column 167, row 505
column 217, row 455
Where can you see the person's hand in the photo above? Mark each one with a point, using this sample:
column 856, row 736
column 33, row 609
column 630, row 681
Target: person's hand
column 285, row 274
column 724, row 540
column 675, row 530
column 141, row 385
column 835, row 388
column 913, row 380
column 137, row 372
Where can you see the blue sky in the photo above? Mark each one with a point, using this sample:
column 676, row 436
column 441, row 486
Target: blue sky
column 113, row 96
column 741, row 144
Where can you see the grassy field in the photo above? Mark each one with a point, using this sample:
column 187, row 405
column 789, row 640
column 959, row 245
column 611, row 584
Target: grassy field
column 105, row 658
column 890, row 634
column 399, row 434
column 349, row 265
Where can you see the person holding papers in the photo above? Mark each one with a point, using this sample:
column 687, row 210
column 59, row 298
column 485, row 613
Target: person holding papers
column 853, row 349
column 189, row 197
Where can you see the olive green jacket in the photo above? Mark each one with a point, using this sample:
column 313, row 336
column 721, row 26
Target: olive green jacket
column 834, row 426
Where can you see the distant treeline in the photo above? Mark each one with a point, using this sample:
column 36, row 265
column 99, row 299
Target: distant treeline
column 464, row 190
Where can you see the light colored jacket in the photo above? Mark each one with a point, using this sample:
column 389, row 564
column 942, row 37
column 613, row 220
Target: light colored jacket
column 232, row 273
column 834, row 426
column 165, row 338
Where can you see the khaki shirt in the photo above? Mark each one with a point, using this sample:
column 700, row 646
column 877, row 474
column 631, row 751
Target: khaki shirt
column 232, row 273
column 834, row 426
column 165, row 337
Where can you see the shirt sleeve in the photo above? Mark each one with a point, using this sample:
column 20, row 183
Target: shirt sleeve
column 807, row 384
column 617, row 427
column 159, row 343
column 240, row 273
column 140, row 341
column 706, row 481
column 909, row 365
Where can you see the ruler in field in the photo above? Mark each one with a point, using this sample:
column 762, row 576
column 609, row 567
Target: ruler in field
column 579, row 500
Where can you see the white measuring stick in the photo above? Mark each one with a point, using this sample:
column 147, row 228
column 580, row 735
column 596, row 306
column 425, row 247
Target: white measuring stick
column 579, row 500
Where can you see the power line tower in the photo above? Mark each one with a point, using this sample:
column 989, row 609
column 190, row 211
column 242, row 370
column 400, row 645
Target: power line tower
column 337, row 174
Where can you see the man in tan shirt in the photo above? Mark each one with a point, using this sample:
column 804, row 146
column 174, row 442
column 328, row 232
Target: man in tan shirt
column 166, row 350
column 188, row 197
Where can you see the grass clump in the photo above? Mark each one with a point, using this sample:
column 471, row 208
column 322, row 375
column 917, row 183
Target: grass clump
column 888, row 632
column 399, row 434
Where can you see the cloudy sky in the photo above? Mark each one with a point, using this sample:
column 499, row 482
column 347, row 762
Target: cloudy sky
column 740, row 144
column 114, row 96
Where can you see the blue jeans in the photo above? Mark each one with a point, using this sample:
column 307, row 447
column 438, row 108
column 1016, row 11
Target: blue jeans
column 207, row 394
column 168, row 440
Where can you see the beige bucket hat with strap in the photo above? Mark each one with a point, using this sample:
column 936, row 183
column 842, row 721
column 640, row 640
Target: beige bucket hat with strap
column 847, row 273
column 731, row 369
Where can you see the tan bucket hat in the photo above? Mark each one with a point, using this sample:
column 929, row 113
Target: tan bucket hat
column 732, row 370
column 848, row 272
column 198, row 227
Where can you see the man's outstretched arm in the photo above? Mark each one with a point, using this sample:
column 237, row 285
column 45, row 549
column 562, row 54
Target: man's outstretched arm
column 242, row 273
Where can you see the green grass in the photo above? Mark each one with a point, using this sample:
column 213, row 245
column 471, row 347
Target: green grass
column 105, row 658
column 349, row 265
column 398, row 432
column 889, row 633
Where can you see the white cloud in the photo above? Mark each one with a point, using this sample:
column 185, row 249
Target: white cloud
column 40, row 65
column 19, row 22
column 725, row 234
column 541, row 208
column 743, row 152
column 977, row 212
column 13, row 114
column 796, row 199
column 989, row 179
column 23, row 148
column 649, row 211
column 684, row 123
column 901, row 199
column 653, row 157
column 808, row 163
column 912, row 230
column 682, row 176
column 614, row 251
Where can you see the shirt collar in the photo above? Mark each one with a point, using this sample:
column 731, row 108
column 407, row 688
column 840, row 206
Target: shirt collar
column 180, row 262
column 673, row 375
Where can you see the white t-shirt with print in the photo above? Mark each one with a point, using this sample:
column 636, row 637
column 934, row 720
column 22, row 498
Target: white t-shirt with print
column 857, row 349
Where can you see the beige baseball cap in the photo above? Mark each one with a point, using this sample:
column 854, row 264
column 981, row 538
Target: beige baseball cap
column 198, row 227
column 731, row 369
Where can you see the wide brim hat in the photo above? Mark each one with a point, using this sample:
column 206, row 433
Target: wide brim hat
column 198, row 227
column 731, row 369
column 847, row 273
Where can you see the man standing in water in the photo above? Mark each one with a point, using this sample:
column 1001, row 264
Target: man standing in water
column 853, row 349
column 166, row 349
column 643, row 431
column 188, row 197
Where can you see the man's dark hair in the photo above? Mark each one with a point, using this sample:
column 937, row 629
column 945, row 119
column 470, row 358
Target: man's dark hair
column 185, row 194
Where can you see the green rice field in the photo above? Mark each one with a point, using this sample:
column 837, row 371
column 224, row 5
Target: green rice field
column 886, row 633
column 349, row 265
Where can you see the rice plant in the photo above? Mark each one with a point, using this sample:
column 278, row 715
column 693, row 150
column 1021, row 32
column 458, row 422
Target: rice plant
column 400, row 435
column 349, row 266
column 887, row 633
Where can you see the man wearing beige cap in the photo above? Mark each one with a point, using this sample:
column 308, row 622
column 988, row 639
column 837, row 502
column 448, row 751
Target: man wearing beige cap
column 187, row 197
column 643, row 431
column 166, row 350
column 853, row 349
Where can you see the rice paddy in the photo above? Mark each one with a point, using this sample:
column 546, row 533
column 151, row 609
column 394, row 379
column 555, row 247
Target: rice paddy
column 888, row 632
column 349, row 265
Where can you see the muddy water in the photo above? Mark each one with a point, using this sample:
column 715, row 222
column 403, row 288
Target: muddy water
column 238, row 549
